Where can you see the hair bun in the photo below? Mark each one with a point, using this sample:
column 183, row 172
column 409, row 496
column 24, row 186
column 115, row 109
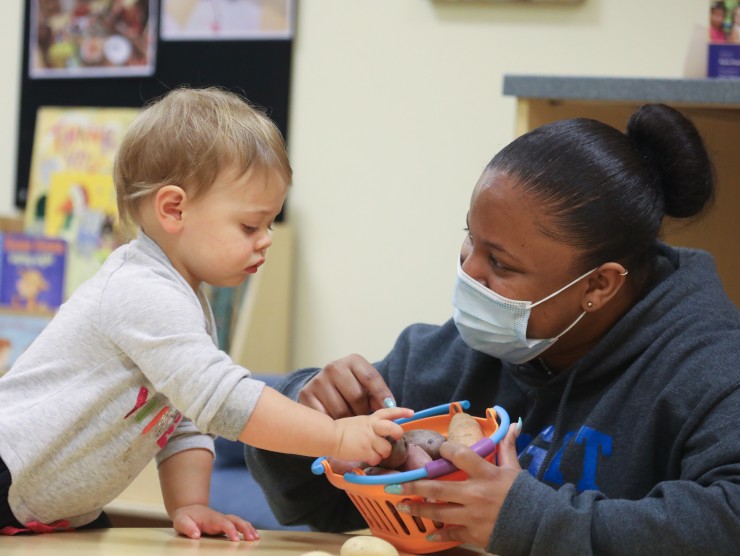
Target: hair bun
column 674, row 147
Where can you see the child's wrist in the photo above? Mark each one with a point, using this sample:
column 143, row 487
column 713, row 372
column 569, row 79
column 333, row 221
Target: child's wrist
column 338, row 437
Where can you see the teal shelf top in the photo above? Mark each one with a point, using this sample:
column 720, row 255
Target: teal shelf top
column 685, row 91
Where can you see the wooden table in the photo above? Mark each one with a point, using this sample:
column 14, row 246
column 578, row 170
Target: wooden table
column 125, row 541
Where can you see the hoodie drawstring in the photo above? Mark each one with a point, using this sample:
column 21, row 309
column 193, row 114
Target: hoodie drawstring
column 558, row 426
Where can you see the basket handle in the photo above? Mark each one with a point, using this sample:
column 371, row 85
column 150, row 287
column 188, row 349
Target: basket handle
column 483, row 447
column 435, row 468
column 432, row 411
column 318, row 468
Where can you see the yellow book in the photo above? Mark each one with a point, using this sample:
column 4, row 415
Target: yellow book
column 71, row 193
column 68, row 139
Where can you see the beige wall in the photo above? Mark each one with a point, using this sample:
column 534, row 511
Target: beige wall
column 396, row 107
column 11, row 36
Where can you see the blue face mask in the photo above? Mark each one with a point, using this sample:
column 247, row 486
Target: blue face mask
column 496, row 325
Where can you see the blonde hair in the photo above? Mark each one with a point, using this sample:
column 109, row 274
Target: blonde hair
column 187, row 137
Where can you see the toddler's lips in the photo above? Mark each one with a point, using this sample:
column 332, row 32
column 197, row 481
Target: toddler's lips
column 252, row 269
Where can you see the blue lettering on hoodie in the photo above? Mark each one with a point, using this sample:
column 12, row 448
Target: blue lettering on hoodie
column 595, row 444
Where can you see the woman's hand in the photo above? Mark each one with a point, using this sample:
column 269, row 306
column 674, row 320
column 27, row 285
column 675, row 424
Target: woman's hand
column 196, row 520
column 346, row 387
column 470, row 508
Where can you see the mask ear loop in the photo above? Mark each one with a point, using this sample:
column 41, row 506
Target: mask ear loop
column 581, row 277
column 564, row 332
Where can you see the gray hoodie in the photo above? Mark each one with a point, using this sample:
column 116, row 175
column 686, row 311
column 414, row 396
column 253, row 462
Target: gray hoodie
column 633, row 450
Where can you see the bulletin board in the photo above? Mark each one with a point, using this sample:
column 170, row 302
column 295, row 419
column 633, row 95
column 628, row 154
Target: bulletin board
column 259, row 69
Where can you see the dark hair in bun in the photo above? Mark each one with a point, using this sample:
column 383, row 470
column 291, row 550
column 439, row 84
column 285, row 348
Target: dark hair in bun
column 608, row 191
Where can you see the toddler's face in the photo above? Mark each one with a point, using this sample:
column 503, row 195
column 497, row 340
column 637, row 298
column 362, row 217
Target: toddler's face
column 226, row 232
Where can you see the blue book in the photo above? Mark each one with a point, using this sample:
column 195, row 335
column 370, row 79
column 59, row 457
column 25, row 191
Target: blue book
column 18, row 330
column 32, row 270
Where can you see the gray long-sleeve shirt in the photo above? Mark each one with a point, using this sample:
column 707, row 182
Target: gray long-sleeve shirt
column 127, row 370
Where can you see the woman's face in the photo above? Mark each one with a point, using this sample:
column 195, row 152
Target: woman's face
column 508, row 251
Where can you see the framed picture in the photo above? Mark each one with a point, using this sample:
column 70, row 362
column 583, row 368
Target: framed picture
column 510, row 1
column 258, row 69
column 214, row 20
column 85, row 38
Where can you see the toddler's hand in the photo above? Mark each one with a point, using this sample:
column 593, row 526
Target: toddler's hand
column 196, row 520
column 363, row 437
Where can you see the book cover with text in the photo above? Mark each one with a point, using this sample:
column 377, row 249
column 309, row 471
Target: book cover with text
column 71, row 193
column 32, row 272
column 68, row 139
column 18, row 330
column 723, row 52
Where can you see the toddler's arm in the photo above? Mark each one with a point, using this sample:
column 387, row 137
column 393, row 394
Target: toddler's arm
column 185, row 478
column 282, row 425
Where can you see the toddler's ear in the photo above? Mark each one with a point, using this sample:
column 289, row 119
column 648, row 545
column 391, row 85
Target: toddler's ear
column 169, row 202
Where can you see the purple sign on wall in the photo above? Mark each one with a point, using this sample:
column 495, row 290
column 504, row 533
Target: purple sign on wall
column 724, row 60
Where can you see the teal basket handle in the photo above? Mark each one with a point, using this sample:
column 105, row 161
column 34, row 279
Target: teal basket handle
column 317, row 467
column 435, row 468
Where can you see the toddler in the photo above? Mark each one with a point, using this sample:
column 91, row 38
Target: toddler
column 129, row 370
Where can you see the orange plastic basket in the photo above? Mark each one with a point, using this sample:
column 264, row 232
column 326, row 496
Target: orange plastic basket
column 378, row 508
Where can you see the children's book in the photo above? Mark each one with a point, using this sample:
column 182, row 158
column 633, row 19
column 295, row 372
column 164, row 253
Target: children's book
column 68, row 139
column 18, row 329
column 32, row 272
column 225, row 303
column 81, row 209
column 724, row 39
column 71, row 193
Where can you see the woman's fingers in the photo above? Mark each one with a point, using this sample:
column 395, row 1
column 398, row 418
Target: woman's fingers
column 374, row 388
column 346, row 387
column 506, row 455
column 472, row 504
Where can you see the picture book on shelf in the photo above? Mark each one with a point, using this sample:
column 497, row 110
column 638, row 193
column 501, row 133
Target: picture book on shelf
column 81, row 209
column 71, row 194
column 724, row 39
column 32, row 272
column 225, row 304
column 18, row 330
column 71, row 139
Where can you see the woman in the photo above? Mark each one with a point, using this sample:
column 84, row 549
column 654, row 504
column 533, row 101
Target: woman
column 622, row 363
